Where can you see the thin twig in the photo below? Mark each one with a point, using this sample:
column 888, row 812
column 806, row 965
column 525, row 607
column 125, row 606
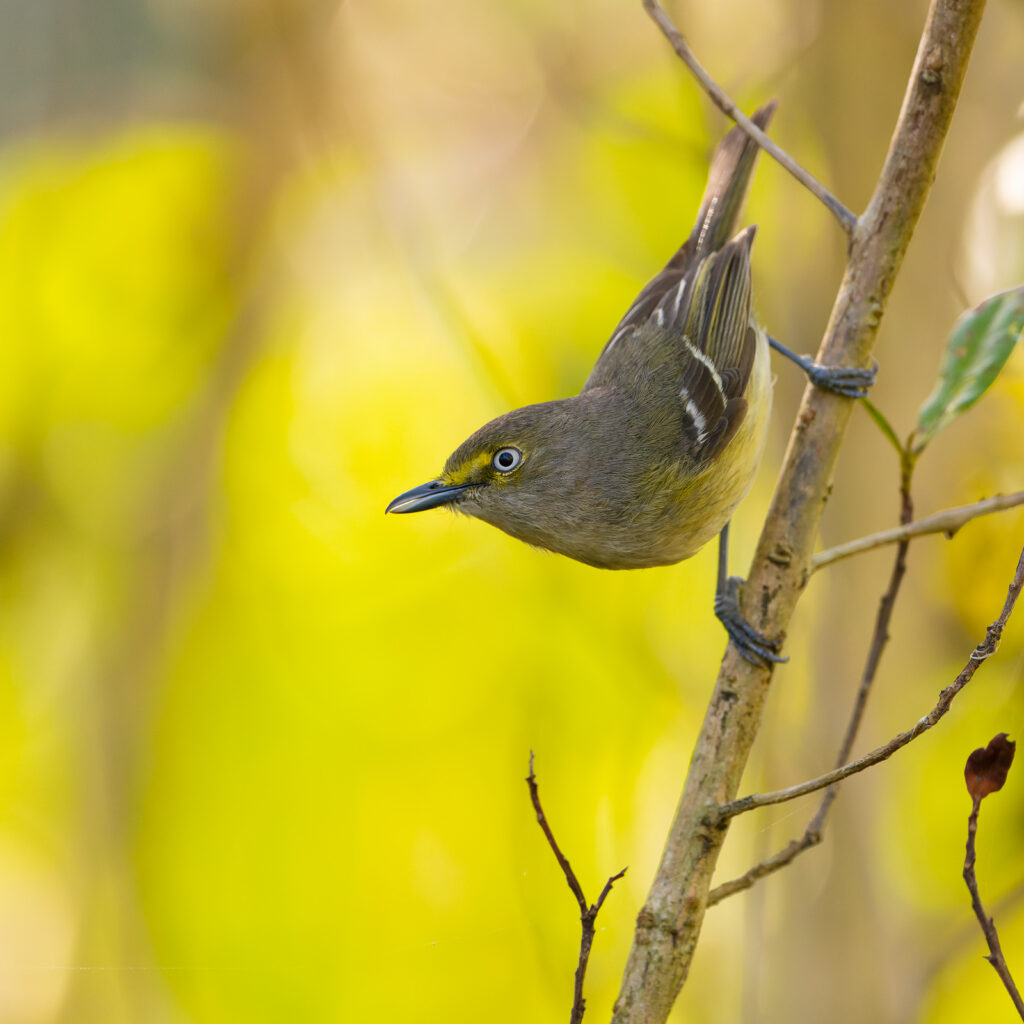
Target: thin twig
column 721, row 100
column 988, row 925
column 983, row 651
column 879, row 638
column 1006, row 905
column 588, row 914
column 947, row 521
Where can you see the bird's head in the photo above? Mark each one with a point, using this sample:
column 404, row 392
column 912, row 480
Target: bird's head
column 510, row 455
column 522, row 472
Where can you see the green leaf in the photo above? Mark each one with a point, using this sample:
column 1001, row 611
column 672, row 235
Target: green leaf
column 980, row 343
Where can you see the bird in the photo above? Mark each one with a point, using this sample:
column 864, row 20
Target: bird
column 649, row 461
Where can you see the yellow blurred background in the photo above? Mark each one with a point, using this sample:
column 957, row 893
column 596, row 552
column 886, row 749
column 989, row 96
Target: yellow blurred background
column 263, row 264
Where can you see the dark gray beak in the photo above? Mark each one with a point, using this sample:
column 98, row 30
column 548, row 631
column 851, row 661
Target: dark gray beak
column 426, row 496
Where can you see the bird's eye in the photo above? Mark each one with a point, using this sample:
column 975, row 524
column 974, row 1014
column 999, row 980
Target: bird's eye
column 506, row 459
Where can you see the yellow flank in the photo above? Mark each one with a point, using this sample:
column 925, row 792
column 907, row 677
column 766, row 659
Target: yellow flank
column 711, row 497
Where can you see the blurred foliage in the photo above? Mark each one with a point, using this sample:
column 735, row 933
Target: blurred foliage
column 262, row 266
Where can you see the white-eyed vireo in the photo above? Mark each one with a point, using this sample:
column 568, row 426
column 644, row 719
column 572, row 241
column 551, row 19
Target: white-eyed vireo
column 647, row 463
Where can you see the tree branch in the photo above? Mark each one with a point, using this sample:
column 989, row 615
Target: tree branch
column 669, row 923
column 983, row 651
column 721, row 100
column 588, row 914
column 947, row 521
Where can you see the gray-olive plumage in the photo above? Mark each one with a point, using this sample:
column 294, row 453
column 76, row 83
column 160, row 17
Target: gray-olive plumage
column 648, row 461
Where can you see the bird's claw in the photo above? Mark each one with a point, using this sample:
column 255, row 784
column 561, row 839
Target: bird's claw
column 755, row 647
column 848, row 381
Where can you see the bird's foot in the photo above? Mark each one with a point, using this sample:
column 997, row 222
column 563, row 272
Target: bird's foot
column 848, row 381
column 755, row 647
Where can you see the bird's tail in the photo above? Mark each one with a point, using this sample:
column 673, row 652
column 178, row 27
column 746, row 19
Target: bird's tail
column 728, row 180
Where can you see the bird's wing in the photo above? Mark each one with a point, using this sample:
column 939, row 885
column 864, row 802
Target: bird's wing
column 717, row 344
column 695, row 335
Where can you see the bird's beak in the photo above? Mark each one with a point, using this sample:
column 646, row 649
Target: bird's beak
column 428, row 495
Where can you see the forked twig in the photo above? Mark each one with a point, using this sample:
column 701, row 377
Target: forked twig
column 983, row 651
column 721, row 100
column 588, row 913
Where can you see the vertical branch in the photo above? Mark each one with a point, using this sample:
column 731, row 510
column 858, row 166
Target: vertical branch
column 880, row 636
column 669, row 923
